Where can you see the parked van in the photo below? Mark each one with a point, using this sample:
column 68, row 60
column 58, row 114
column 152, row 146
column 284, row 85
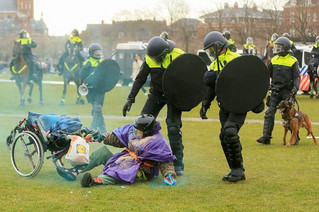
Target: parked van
column 124, row 56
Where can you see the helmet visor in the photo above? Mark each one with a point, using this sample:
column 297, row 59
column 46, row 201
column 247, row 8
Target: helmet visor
column 160, row 58
column 213, row 51
column 278, row 48
column 97, row 54
column 274, row 37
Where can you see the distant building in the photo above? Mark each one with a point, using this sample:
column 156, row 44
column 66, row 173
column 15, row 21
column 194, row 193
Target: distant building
column 301, row 18
column 242, row 23
column 16, row 15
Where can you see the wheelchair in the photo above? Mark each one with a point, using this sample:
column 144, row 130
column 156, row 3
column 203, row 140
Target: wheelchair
column 31, row 138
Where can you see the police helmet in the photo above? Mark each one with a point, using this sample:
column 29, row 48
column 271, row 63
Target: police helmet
column 164, row 35
column 214, row 42
column 95, row 51
column 286, row 35
column 75, row 32
column 282, row 45
column 227, row 35
column 157, row 48
column 249, row 40
column 146, row 123
column 24, row 34
column 274, row 37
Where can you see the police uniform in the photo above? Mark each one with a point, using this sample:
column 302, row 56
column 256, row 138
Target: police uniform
column 284, row 72
column 156, row 101
column 248, row 46
column 230, row 122
column 78, row 46
column 27, row 44
column 95, row 97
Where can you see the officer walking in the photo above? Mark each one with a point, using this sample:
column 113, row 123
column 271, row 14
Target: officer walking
column 249, row 47
column 218, row 48
column 160, row 53
column 284, row 74
column 95, row 96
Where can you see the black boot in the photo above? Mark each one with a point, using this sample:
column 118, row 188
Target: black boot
column 88, row 180
column 268, row 127
column 235, row 160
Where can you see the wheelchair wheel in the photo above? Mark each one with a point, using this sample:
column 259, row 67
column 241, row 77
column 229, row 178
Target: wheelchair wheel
column 27, row 154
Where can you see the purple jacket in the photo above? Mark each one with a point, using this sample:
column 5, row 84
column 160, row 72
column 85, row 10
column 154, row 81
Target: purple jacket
column 123, row 166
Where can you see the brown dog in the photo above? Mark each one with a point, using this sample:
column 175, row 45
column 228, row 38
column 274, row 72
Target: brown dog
column 293, row 120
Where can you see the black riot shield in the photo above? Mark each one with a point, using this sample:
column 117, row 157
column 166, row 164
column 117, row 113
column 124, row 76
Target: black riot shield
column 183, row 83
column 106, row 76
column 242, row 84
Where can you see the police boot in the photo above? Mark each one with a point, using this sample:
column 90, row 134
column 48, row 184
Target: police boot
column 225, row 149
column 176, row 143
column 268, row 127
column 235, row 160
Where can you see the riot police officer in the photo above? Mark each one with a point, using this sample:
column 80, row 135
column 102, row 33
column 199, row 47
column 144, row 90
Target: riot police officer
column 75, row 41
column 284, row 74
column 218, row 48
column 227, row 36
column 249, row 47
column 27, row 44
column 95, row 96
column 315, row 53
column 292, row 44
column 160, row 53
column 270, row 43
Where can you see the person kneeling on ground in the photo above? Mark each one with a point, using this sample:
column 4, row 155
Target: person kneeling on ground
column 146, row 153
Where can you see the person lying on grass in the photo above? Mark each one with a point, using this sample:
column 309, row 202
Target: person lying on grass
column 146, row 153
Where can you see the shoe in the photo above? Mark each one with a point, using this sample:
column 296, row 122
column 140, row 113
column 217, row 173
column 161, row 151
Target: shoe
column 179, row 170
column 66, row 173
column 88, row 180
column 264, row 140
column 235, row 175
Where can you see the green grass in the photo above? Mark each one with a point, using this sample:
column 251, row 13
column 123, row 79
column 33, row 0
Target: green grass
column 278, row 178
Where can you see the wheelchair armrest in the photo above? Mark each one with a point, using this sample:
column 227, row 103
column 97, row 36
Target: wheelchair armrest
column 42, row 132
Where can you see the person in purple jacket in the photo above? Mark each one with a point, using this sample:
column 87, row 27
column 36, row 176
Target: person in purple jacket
column 146, row 153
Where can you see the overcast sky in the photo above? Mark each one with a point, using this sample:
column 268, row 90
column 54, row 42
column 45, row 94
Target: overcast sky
column 61, row 16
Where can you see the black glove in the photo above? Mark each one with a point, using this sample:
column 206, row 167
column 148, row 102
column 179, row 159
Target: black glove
column 260, row 108
column 127, row 107
column 203, row 111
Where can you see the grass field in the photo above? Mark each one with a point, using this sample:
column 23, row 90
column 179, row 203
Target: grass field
column 278, row 178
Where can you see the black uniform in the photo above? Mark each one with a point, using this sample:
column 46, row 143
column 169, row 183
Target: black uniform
column 156, row 101
column 284, row 72
column 95, row 97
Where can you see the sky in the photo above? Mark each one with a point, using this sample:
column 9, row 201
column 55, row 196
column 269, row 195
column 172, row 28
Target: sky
column 61, row 16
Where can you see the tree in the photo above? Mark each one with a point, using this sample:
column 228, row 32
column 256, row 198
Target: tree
column 175, row 10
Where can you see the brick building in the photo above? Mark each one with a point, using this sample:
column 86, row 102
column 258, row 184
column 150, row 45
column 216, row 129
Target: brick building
column 301, row 18
column 242, row 23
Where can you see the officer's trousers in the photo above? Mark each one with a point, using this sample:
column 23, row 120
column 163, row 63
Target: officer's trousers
column 154, row 105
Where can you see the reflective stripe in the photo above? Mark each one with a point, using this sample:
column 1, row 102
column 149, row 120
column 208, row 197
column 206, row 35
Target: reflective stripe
column 168, row 59
column 75, row 39
column 287, row 60
column 94, row 62
column 25, row 41
column 246, row 46
column 67, row 67
column 18, row 72
column 228, row 56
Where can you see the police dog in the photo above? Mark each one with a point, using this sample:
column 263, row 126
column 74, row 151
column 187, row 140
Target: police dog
column 293, row 120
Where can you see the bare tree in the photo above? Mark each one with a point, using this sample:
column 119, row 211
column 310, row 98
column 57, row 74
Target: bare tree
column 175, row 9
column 300, row 19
